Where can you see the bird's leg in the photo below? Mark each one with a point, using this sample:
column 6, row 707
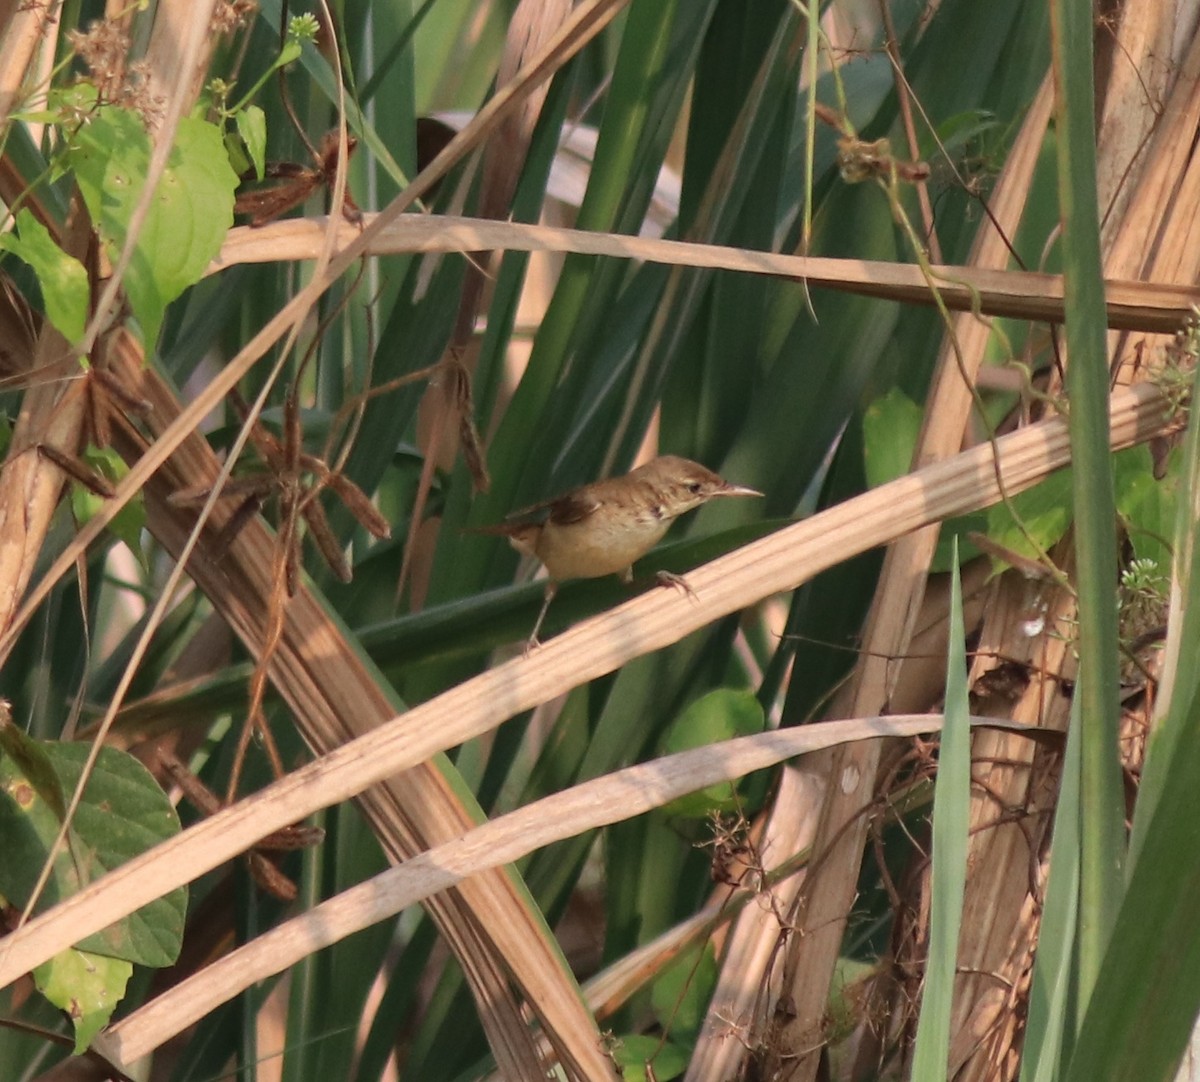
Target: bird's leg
column 551, row 590
column 669, row 578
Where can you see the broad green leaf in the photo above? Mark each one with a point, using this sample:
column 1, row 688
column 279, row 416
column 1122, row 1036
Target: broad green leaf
column 719, row 715
column 87, row 986
column 1044, row 511
column 187, row 220
column 62, row 277
column 123, row 813
column 1147, row 504
column 31, row 764
column 665, row 1059
column 891, row 425
column 680, row 996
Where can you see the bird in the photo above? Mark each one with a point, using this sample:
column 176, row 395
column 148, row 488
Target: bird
column 602, row 527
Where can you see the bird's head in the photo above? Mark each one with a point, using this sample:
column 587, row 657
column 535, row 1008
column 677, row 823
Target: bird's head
column 685, row 485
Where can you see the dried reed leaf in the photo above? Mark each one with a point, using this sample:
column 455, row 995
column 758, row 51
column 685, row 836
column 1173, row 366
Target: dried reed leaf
column 592, row 804
column 1132, row 305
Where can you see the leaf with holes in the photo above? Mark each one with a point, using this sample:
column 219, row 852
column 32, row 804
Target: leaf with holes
column 123, row 813
column 87, row 986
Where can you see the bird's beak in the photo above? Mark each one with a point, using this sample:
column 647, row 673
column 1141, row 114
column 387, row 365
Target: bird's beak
column 736, row 490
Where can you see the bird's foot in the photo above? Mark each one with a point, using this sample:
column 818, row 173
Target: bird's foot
column 668, row 578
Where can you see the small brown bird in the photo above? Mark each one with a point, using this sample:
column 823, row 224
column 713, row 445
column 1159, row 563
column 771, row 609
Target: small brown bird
column 603, row 527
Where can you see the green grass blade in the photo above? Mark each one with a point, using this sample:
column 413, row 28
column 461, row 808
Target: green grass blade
column 1101, row 792
column 1181, row 676
column 1050, row 1028
column 951, row 816
column 1147, row 994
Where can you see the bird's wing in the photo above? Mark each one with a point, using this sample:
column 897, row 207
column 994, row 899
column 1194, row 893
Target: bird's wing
column 573, row 507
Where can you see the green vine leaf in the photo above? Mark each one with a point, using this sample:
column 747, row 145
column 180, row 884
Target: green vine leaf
column 680, row 996
column 637, row 1056
column 87, row 986
column 62, row 277
column 188, row 218
column 891, row 425
column 252, row 127
column 1043, row 513
column 722, row 714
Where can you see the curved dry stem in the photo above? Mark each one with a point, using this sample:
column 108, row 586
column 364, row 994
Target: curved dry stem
column 597, row 803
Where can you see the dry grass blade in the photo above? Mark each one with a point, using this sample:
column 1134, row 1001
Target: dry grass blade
column 52, row 416
column 495, row 902
column 749, row 980
column 53, row 413
column 1155, row 235
column 175, row 68
column 20, row 38
column 512, row 932
column 1132, row 305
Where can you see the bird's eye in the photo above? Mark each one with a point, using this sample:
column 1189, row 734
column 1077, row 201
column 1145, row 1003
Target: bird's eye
column 694, row 488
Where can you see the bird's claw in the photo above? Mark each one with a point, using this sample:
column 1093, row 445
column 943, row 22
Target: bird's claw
column 531, row 644
column 669, row 578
